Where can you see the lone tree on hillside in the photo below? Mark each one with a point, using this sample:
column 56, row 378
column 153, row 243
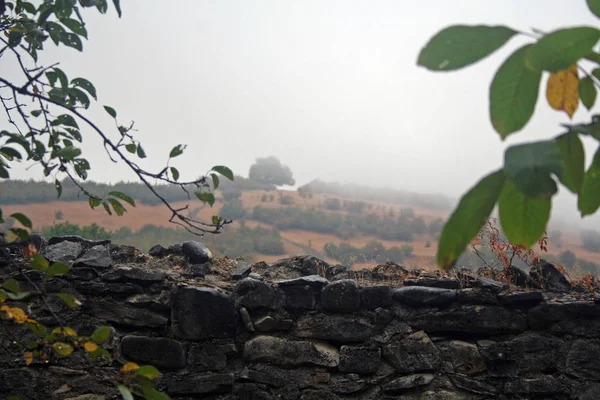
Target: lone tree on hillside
column 270, row 170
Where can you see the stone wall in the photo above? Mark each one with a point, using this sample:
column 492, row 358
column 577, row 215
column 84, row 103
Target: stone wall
column 230, row 330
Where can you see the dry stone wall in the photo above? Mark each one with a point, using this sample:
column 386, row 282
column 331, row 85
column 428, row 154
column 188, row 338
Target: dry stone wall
column 222, row 330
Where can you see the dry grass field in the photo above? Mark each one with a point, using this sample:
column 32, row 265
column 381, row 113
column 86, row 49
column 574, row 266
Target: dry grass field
column 294, row 240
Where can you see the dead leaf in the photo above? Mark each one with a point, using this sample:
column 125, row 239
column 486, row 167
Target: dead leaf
column 28, row 358
column 562, row 90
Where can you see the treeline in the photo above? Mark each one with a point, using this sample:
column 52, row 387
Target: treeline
column 372, row 252
column 241, row 242
column 348, row 226
column 30, row 191
column 389, row 195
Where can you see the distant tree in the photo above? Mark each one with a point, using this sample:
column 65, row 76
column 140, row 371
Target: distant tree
column 233, row 210
column 590, row 239
column 58, row 215
column 231, row 194
column 567, row 258
column 271, row 171
column 332, row 204
column 286, row 200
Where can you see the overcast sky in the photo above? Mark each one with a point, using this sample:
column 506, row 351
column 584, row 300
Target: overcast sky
column 330, row 87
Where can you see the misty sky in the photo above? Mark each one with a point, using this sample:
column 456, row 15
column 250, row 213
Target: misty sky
column 330, row 87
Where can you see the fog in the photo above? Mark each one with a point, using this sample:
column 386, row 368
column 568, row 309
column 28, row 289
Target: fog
column 330, row 87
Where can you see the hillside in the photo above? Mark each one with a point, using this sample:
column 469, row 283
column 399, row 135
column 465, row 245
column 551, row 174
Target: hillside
column 369, row 221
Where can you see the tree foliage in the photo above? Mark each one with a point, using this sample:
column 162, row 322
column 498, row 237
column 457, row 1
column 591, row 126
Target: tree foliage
column 525, row 185
column 270, row 170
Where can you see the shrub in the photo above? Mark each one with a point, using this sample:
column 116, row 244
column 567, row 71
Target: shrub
column 591, row 240
column 264, row 198
column 233, row 209
column 333, row 204
column 58, row 215
column 286, row 200
column 231, row 194
column 355, row 207
column 567, row 258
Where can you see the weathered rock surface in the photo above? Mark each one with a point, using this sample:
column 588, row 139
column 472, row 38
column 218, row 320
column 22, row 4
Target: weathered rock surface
column 285, row 352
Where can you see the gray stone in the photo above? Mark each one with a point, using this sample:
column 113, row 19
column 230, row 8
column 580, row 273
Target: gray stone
column 246, row 319
column 341, row 296
column 127, row 316
column 548, row 277
column 432, row 282
column 477, row 296
column 96, row 257
column 464, row 357
column 408, row 382
column 489, row 284
column 159, row 303
column 242, row 270
column 254, row 294
column 334, row 327
column 157, row 251
column 415, row 353
column 208, row 357
column 267, row 323
column 539, row 386
column 311, row 280
column 195, row 384
column 196, row 252
column 202, row 313
column 289, row 353
column 360, row 359
column 160, row 352
column 424, row 296
column 372, row 297
column 578, row 318
column 520, row 278
column 472, row 385
column 582, row 360
column 65, row 252
column 313, row 266
column 346, row 384
column 140, row 275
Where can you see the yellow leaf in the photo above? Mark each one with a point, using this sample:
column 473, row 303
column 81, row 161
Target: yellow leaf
column 64, row 331
column 130, row 366
column 62, row 349
column 90, row 347
column 15, row 313
column 562, row 90
column 28, row 358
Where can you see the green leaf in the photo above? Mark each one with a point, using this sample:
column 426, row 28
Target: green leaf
column 175, row 173
column 131, row 147
column 58, row 187
column 588, row 201
column 125, row 392
column 148, row 371
column 26, row 222
column 513, row 94
column 123, row 197
column 594, row 6
column 62, row 349
column 111, row 111
column 4, row 172
column 176, row 151
column 87, row 86
column 117, row 4
column 2, row 296
column 56, row 269
column 71, row 40
column 117, row 206
column 587, row 92
column 530, row 165
column 18, row 296
column 12, row 286
column 66, row 120
column 458, row 46
column 80, row 96
column 101, row 334
column 206, row 197
column 39, row 263
column 106, row 207
column 21, row 233
column 572, row 155
column 562, row 48
column 467, row 219
column 216, row 220
column 215, row 180
column 223, row 170
column 75, row 26
column 69, row 299
column 36, row 113
column 38, row 329
column 10, row 153
column 68, row 153
column 523, row 218
column 94, row 202
column 62, row 77
column 152, row 394
column 140, row 151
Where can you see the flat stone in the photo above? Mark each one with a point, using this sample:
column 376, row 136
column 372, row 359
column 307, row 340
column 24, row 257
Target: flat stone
column 520, row 278
column 208, row 357
column 202, row 313
column 196, row 252
column 160, row 352
column 521, row 299
column 415, row 353
column 347, row 384
column 492, row 285
column 577, row 318
column 545, row 385
column 313, row 266
column 242, row 270
column 408, row 382
column 472, row 385
column 142, row 275
column 127, row 316
column 285, row 352
column 360, row 359
column 334, row 327
column 548, row 277
column 432, row 282
column 96, row 257
column 311, row 280
column 65, row 252
column 194, row 384
column 267, row 323
column 253, row 294
column 424, row 296
column 464, row 357
column 341, row 296
column 372, row 297
column 582, row 359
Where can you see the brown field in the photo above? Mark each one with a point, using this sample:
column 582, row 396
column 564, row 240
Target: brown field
column 136, row 217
